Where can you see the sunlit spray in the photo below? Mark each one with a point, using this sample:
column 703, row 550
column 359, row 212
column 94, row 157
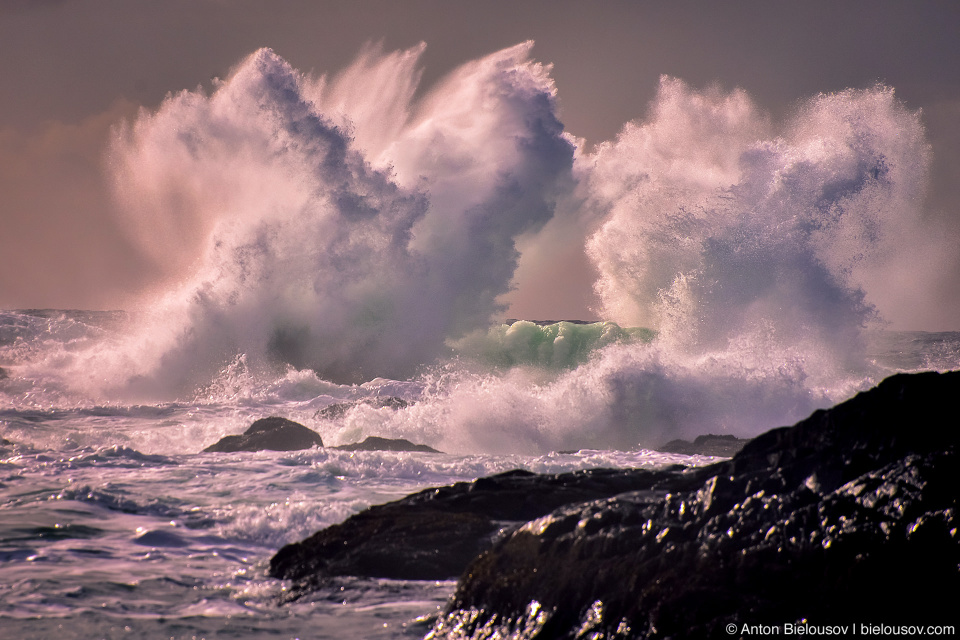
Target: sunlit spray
column 339, row 237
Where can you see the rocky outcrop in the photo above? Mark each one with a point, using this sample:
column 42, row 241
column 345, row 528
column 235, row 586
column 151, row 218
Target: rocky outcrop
column 709, row 445
column 272, row 434
column 280, row 434
column 848, row 517
column 434, row 534
column 376, row 443
column 339, row 409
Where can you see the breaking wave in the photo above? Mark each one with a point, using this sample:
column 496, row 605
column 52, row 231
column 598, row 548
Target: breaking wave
column 324, row 232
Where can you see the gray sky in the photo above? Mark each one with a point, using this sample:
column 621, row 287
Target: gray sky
column 70, row 69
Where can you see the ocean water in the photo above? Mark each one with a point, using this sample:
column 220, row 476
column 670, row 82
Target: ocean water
column 331, row 240
column 113, row 524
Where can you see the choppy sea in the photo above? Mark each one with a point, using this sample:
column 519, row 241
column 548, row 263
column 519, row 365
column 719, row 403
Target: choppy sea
column 113, row 524
column 332, row 240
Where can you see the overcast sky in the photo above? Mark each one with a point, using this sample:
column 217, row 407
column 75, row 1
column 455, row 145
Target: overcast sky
column 71, row 69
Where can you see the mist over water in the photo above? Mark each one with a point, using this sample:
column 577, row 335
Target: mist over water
column 336, row 238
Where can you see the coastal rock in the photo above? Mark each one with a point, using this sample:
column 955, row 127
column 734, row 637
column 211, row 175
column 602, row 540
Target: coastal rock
column 376, row 443
column 848, row 516
column 339, row 409
column 272, row 434
column 708, row 445
column 434, row 534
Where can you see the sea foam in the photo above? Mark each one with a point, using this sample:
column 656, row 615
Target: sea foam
column 338, row 238
column 315, row 255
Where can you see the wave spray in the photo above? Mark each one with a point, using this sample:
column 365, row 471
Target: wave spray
column 337, row 231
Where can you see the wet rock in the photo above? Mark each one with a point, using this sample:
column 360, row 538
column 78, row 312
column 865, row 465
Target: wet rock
column 272, row 434
column 376, row 443
column 723, row 446
column 339, row 409
column 849, row 516
column 434, row 534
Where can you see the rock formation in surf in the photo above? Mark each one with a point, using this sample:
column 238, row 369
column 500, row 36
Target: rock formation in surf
column 850, row 515
column 434, row 534
column 376, row 443
column 723, row 446
column 280, row 434
column 273, row 434
column 339, row 409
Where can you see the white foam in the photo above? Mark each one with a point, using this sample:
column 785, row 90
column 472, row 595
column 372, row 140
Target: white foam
column 334, row 240
column 310, row 256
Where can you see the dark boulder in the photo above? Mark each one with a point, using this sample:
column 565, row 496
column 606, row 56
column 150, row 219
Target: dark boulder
column 272, row 434
column 376, row 443
column 709, row 445
column 848, row 517
column 434, row 534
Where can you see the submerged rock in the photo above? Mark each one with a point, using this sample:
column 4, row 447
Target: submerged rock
column 848, row 517
column 272, row 434
column 709, row 445
column 434, row 534
column 376, row 443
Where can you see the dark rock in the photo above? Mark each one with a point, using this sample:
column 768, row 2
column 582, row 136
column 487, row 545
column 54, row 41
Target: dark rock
column 339, row 409
column 434, row 534
column 272, row 434
column 376, row 443
column 3, row 374
column 848, row 517
column 709, row 445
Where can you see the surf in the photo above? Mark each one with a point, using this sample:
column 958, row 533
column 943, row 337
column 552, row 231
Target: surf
column 337, row 237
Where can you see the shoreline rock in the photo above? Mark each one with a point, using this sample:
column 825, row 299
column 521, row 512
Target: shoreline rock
column 849, row 516
column 435, row 533
column 376, row 443
column 272, row 434
column 279, row 434
column 725, row 446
